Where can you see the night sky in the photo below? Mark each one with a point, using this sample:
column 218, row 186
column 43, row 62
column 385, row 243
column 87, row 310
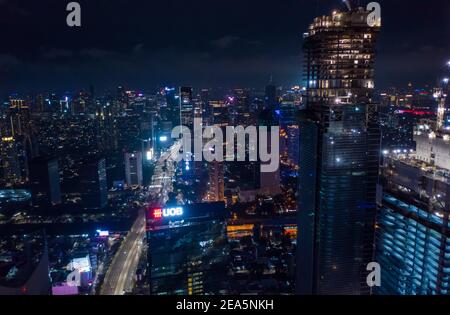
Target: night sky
column 200, row 43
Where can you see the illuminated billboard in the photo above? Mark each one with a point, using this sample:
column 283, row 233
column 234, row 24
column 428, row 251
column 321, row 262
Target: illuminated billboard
column 169, row 212
column 102, row 233
column 149, row 155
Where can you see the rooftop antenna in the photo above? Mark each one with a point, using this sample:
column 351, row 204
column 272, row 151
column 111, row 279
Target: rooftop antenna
column 347, row 3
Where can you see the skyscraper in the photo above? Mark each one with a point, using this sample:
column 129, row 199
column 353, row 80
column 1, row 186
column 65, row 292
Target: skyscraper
column 45, row 182
column 339, row 156
column 93, row 186
column 186, row 107
column 269, row 183
column 271, row 98
column 216, row 181
column 207, row 113
column 10, row 168
column 188, row 249
column 413, row 230
column 133, row 168
column 171, row 112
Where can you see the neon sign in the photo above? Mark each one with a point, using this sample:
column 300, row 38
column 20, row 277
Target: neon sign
column 158, row 213
column 172, row 212
column 103, row 233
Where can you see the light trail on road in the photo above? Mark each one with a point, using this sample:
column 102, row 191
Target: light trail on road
column 120, row 275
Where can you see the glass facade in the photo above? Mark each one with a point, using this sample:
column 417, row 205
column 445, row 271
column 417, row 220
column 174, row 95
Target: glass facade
column 413, row 250
column 188, row 255
column 339, row 156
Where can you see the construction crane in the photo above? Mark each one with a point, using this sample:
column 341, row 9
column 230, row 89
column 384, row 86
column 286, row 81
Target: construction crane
column 441, row 96
column 347, row 3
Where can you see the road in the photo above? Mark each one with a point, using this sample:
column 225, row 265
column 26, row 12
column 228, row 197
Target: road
column 164, row 171
column 119, row 278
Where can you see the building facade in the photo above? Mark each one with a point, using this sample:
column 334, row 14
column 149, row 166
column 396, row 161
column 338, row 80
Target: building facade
column 133, row 168
column 339, row 156
column 413, row 229
column 188, row 249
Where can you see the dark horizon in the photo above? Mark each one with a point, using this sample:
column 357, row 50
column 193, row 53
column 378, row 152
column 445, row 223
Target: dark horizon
column 201, row 44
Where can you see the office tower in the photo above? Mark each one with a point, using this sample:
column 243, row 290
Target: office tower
column 39, row 105
column 216, row 181
column 148, row 150
column 45, row 182
column 52, row 103
column 19, row 116
column 186, row 107
column 269, row 181
column 121, row 99
column 289, row 129
column 64, row 105
column 133, row 168
column 220, row 114
column 92, row 92
column 339, row 156
column 239, row 110
column 81, row 103
column 207, row 110
column 171, row 112
column 22, row 131
column 271, row 97
column 289, row 145
column 11, row 172
column 92, row 183
column 413, row 229
column 188, row 249
column 105, row 126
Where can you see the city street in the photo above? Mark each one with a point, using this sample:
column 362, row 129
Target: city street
column 119, row 278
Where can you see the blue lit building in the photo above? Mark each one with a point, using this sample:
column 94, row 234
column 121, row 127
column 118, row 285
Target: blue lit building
column 413, row 229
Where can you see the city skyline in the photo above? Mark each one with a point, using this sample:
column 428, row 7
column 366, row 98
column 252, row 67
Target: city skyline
column 225, row 149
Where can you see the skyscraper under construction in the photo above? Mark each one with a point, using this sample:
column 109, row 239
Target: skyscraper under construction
column 339, row 155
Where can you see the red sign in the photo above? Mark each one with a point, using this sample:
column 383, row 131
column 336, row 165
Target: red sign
column 157, row 213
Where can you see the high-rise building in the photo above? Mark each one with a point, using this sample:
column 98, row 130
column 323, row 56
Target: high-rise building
column 239, row 108
column 133, row 168
column 171, row 112
column 188, row 249
column 10, row 166
column 186, row 107
column 45, row 182
column 207, row 111
column 269, row 181
column 121, row 98
column 271, row 97
column 413, row 229
column 105, row 126
column 339, row 156
column 19, row 116
column 216, row 181
column 93, row 185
